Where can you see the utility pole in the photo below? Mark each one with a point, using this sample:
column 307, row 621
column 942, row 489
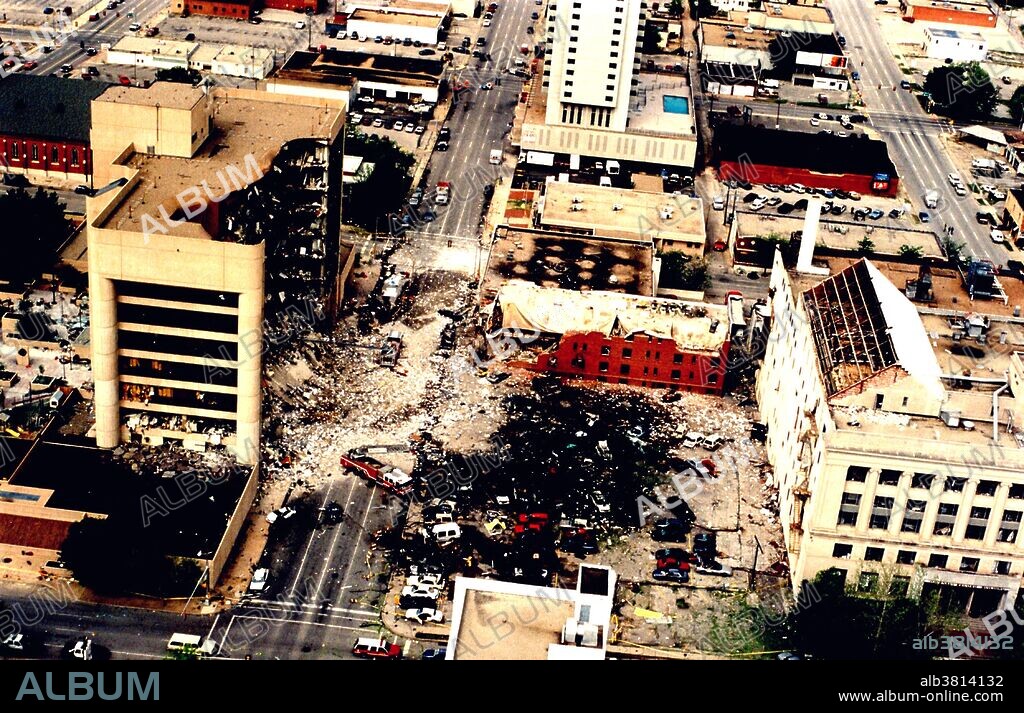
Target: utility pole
column 753, row 570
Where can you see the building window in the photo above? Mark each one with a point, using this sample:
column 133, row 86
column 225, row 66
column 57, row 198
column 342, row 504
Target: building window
column 889, row 477
column 867, row 582
column 624, row 369
column 955, row 485
column 35, row 152
column 1017, row 492
column 880, row 513
column 899, row 586
column 15, row 151
column 1001, row 567
column 677, row 358
column 602, row 366
column 945, row 519
column 978, row 523
column 969, row 564
column 74, row 157
column 606, row 350
column 55, row 155
column 676, row 374
column 627, row 353
column 922, row 481
column 986, row 487
column 848, row 509
column 874, row 554
column 913, row 513
column 843, row 552
column 856, row 474
column 939, row 561
column 1009, row 526
column 906, row 556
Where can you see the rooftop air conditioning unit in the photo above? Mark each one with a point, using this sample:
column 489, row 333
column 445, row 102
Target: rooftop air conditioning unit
column 617, row 207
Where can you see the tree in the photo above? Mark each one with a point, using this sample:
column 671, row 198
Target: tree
column 367, row 203
column 36, row 227
column 675, row 8
column 865, row 246
column 679, row 271
column 652, row 39
column 911, row 251
column 953, row 249
column 1017, row 104
column 962, row 91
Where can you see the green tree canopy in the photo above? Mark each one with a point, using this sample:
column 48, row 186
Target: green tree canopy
column 962, row 91
column 35, row 226
column 385, row 189
column 679, row 271
column 1017, row 104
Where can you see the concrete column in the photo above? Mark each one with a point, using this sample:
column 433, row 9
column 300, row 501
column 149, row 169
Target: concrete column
column 998, row 505
column 103, row 346
column 964, row 513
column 932, row 509
column 867, row 502
column 250, row 365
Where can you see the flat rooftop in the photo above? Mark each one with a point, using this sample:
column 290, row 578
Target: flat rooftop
column 623, row 213
column 954, row 34
column 86, row 479
column 155, row 46
column 168, row 95
column 801, row 13
column 568, row 261
column 719, row 33
column 648, row 109
column 243, row 125
column 961, row 5
column 534, row 624
column 393, row 16
column 340, row 67
column 556, row 311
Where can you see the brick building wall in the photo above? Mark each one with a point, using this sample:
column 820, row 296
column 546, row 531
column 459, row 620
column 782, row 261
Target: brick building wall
column 761, row 173
column 951, row 16
column 641, row 360
column 212, row 8
column 45, row 156
column 302, row 5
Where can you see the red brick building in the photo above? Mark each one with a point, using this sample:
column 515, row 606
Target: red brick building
column 44, row 125
column 767, row 156
column 972, row 14
column 239, row 8
column 616, row 338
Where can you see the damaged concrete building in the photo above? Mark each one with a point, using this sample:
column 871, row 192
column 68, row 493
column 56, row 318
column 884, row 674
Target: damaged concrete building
column 903, row 472
column 189, row 284
column 614, row 337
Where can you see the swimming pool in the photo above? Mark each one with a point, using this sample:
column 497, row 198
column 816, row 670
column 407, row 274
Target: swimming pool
column 676, row 105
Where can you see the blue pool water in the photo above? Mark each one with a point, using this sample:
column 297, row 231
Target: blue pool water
column 677, row 105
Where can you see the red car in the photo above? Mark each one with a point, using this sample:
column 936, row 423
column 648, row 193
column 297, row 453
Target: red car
column 376, row 649
column 30, row 65
column 710, row 465
column 535, row 521
column 673, row 563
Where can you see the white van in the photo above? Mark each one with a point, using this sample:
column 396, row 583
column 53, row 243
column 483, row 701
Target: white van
column 56, row 399
column 613, row 168
column 446, row 532
column 496, row 156
column 191, row 642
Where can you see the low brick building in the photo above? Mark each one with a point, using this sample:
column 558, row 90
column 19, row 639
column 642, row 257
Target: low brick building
column 970, row 13
column 44, row 125
column 616, row 338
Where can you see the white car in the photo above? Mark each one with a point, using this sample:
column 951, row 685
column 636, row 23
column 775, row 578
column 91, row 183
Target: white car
column 259, row 580
column 420, row 590
column 814, row 121
column 600, row 502
column 487, row 23
column 134, row 27
column 13, row 642
column 960, row 190
column 997, row 236
column 427, row 579
column 300, row 25
column 713, row 568
column 693, row 439
column 718, row 203
column 399, row 125
column 953, row 179
column 822, row 116
column 758, row 204
column 424, row 616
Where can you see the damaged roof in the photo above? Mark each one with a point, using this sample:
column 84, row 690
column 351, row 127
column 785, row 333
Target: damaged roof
column 861, row 325
column 693, row 326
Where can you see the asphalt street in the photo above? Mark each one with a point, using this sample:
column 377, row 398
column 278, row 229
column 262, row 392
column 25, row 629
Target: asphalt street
column 75, row 202
column 920, row 158
column 479, row 124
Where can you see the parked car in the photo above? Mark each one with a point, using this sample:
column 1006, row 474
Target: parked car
column 421, row 590
column 676, row 576
column 904, row 84
column 376, row 649
column 670, row 530
column 424, row 616
column 875, row 214
column 600, row 502
column 713, row 567
column 997, row 236
column 434, row 654
column 134, row 27
column 712, row 442
column 259, row 580
column 705, row 545
column 923, row 216
column 693, row 439
column 718, row 203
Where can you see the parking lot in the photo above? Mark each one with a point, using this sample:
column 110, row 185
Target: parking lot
column 32, row 12
column 276, row 31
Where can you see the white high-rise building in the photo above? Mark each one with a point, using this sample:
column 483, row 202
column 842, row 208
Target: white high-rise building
column 592, row 59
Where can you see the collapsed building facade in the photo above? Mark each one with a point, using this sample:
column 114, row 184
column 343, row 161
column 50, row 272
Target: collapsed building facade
column 615, row 338
column 905, row 477
column 191, row 281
